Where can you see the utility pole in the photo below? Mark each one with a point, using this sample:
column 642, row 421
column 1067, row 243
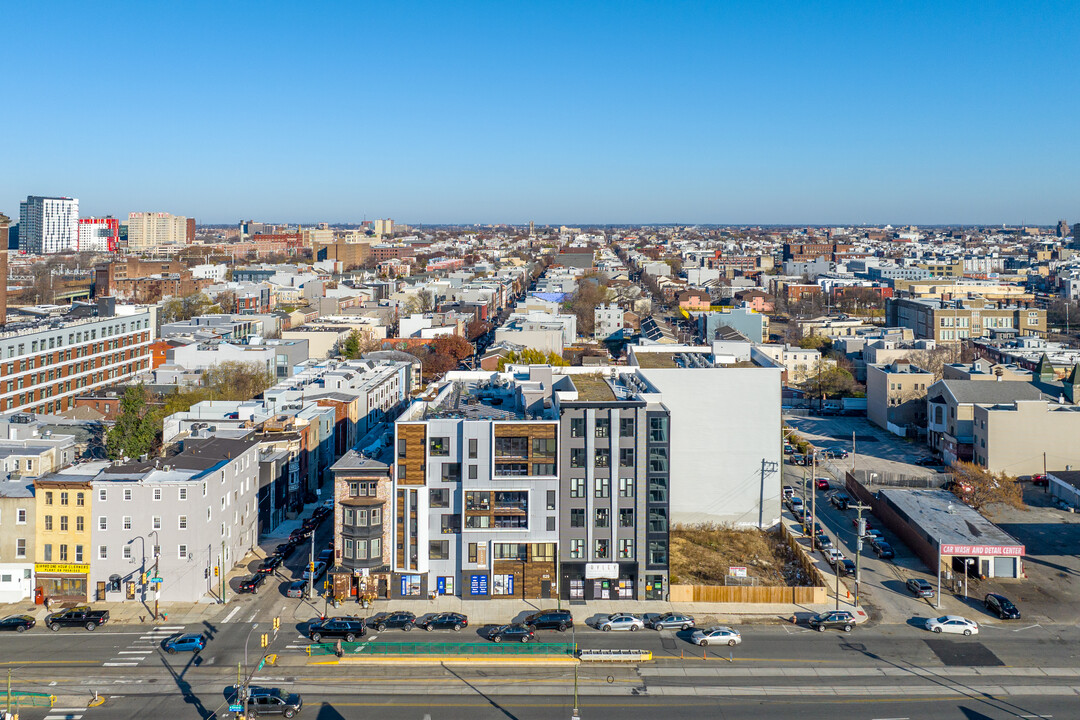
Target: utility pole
column 157, row 586
column 1046, row 480
column 767, row 468
column 221, row 572
column 803, row 498
column 813, row 498
column 311, row 568
column 860, row 533
column 852, row 451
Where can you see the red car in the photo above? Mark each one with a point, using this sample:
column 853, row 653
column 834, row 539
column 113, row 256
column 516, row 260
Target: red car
column 1039, row 480
column 822, row 484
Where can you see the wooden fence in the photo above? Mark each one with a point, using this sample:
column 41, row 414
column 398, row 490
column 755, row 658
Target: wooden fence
column 740, row 594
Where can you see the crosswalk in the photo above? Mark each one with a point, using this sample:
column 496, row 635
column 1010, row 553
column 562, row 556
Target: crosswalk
column 140, row 649
column 65, row 713
column 300, row 643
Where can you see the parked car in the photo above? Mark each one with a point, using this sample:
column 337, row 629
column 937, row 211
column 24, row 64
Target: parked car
column 1039, row 480
column 326, row 556
column 621, row 621
column 841, row 619
column 795, row 502
column 400, row 619
column 319, row 569
column 838, row 453
column 920, row 588
column 670, row 620
column 787, row 491
column 928, row 461
column 953, row 624
column 855, row 523
column 550, row 620
column 452, row 620
column 884, row 550
column 788, row 448
column 824, row 544
column 251, row 583
column 272, row 701
column 344, row 628
column 18, row 623
column 270, row 563
column 300, row 534
column 822, row 484
column 846, row 567
column 833, row 556
column 515, row 632
column 874, row 535
column 798, row 513
column 1001, row 606
column 840, row 501
column 285, row 549
column 190, row 642
column 716, row 635
column 297, row 589
column 798, row 459
column 81, row 616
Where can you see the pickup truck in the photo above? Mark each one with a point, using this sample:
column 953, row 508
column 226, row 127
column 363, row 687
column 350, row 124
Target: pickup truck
column 77, row 617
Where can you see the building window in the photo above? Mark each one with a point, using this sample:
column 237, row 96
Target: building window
column 103, row 523
column 626, row 517
column 551, row 523
column 472, row 448
column 472, row 552
column 577, row 427
column 543, row 448
column 451, row 472
column 127, row 493
column 517, row 447
column 48, row 552
column 157, row 494
column 155, row 522
column 577, row 487
column 440, row 498
column 626, row 549
column 577, row 457
column 550, row 499
column 603, row 457
column 182, row 522
column 103, row 495
column 658, row 429
column 658, row 553
column 577, row 517
column 63, row 553
column 127, row 522
column 626, row 427
column 602, row 548
column 20, row 516
column 601, row 487
column 601, row 518
column 451, row 523
column 658, row 460
column 63, row 523
column 48, row 498
column 439, row 550
column 63, row 498
column 20, row 548
column 626, row 457
column 626, row 487
column 473, row 472
column 577, row 549
column 183, row 493
column 127, row 552
column 603, row 427
column 658, row 520
column 80, row 499
column 348, row 548
column 439, row 446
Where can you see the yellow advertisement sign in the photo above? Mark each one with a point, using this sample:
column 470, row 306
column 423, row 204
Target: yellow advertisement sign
column 66, row 568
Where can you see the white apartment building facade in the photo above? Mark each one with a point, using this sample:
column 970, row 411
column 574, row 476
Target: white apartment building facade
column 48, row 225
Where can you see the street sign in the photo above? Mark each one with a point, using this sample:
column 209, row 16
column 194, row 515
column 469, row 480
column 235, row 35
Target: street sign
column 156, row 580
column 236, row 708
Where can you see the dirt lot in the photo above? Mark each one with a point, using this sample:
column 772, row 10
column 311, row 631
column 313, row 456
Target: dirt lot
column 702, row 554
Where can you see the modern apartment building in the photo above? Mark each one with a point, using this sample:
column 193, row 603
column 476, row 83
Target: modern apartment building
column 48, row 225
column 963, row 318
column 45, row 364
column 149, row 230
column 98, row 234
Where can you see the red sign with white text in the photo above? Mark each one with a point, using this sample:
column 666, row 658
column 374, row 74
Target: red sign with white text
column 1011, row 550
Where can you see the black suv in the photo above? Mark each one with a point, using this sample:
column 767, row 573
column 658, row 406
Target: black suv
column 346, row 628
column 833, row 619
column 271, row 701
column 452, row 620
column 269, row 564
column 251, row 584
column 840, row 501
column 1001, row 606
column 403, row 620
column 550, row 620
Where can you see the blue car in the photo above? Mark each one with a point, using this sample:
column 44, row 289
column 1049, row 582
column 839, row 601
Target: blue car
column 193, row 642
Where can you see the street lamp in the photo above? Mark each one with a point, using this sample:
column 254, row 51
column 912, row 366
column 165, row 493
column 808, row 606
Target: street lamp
column 142, row 566
column 157, row 586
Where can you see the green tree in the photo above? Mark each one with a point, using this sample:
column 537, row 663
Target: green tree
column 530, row 356
column 979, row 487
column 814, row 342
column 138, row 426
column 351, row 347
column 175, row 309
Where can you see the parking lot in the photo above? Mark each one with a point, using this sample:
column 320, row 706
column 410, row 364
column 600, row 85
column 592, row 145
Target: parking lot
column 875, row 449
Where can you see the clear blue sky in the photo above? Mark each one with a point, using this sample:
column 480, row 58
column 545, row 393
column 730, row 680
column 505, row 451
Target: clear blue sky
column 716, row 111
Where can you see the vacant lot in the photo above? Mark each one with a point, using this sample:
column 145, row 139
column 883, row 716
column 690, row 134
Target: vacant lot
column 702, row 554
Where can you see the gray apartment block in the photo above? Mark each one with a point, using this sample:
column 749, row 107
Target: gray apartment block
column 187, row 519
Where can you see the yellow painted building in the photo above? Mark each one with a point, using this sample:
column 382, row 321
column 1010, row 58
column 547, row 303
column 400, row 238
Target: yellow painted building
column 62, row 547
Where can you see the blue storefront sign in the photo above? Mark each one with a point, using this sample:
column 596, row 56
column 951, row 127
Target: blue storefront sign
column 478, row 585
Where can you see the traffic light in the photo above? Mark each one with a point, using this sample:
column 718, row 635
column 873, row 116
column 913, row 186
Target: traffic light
column 264, row 640
column 143, row 578
column 215, row 571
column 277, row 623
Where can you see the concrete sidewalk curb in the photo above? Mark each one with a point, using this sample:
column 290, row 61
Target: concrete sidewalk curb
column 439, row 660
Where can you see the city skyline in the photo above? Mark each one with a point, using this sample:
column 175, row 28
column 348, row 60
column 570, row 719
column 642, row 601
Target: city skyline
column 630, row 114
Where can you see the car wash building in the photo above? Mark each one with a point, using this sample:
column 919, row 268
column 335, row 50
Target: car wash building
column 937, row 526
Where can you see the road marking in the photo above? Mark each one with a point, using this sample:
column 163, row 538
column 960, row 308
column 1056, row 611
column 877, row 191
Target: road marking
column 68, row 716
column 119, row 664
column 132, row 652
column 253, row 616
column 231, row 614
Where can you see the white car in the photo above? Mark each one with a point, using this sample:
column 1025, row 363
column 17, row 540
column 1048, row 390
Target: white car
column 621, row 621
column 833, row 556
column 716, row 635
column 953, row 624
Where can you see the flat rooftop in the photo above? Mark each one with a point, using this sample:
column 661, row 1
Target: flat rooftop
column 593, row 388
column 945, row 519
